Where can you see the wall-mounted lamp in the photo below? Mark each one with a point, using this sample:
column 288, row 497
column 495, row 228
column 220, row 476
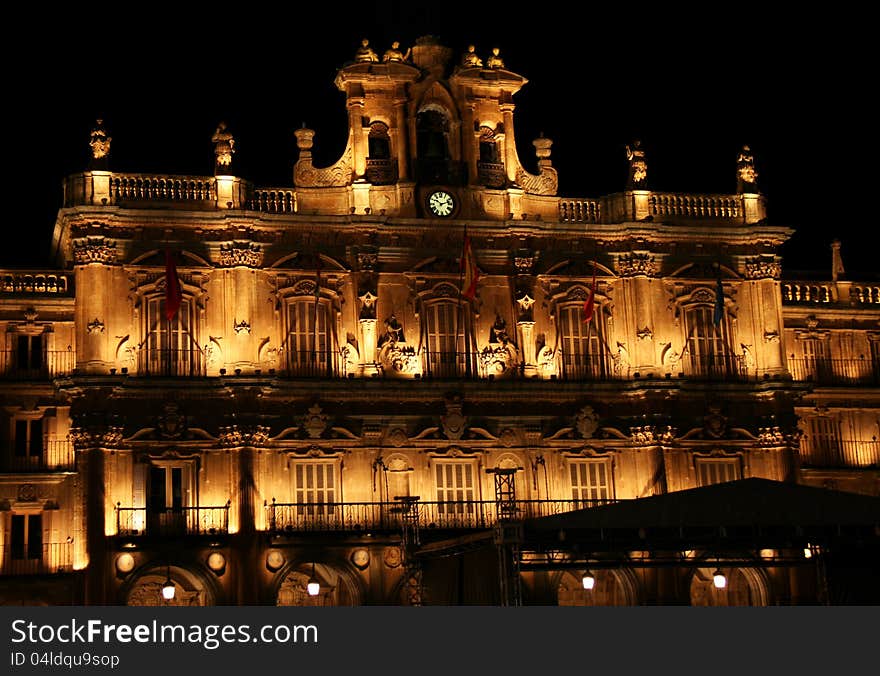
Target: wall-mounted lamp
column 719, row 579
column 588, row 580
column 168, row 588
column 313, row 587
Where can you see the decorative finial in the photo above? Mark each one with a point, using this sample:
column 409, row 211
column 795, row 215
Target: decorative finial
column 224, row 148
column 470, row 59
column 638, row 167
column 746, row 175
column 365, row 53
column 495, row 60
column 99, row 142
column 836, row 261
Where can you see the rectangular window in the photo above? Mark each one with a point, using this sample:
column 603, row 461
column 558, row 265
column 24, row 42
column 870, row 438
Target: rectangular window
column 171, row 497
column 582, row 354
column 707, row 354
column 824, row 441
column 445, row 340
column 171, row 347
column 29, row 439
column 590, row 482
column 29, row 353
column 314, row 487
column 26, row 537
column 817, row 365
column 308, row 339
column 455, row 488
column 718, row 470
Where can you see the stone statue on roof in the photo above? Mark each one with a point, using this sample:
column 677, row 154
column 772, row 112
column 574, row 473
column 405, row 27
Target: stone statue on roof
column 495, row 61
column 746, row 174
column 99, row 142
column 224, row 148
column 638, row 166
column 365, row 53
column 470, row 59
column 394, row 54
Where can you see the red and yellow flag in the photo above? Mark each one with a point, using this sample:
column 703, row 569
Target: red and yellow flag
column 173, row 292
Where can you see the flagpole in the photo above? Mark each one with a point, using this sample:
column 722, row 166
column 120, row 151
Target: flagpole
column 460, row 319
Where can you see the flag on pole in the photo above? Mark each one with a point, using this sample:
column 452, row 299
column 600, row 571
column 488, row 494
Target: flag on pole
column 173, row 292
column 470, row 273
column 590, row 302
column 719, row 301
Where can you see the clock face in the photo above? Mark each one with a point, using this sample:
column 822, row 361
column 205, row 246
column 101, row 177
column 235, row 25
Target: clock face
column 441, row 203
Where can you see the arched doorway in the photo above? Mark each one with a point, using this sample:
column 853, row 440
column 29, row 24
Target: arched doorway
column 612, row 588
column 336, row 587
column 745, row 587
column 189, row 588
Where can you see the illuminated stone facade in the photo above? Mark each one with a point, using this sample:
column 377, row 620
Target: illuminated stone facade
column 323, row 363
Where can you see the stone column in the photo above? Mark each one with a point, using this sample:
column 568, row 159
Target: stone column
column 368, row 336
column 401, row 138
column 100, row 304
column 355, row 124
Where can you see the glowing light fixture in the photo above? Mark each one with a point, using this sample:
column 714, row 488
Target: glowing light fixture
column 313, row 587
column 719, row 579
column 588, row 580
column 168, row 588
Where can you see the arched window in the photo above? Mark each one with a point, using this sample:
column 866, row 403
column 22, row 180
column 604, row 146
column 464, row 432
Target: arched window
column 490, row 168
column 432, row 147
column 584, row 355
column 171, row 347
column 446, row 340
column 381, row 168
column 708, row 354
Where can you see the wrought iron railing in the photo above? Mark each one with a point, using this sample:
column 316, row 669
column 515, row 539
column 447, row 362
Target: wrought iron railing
column 449, row 365
column 720, row 366
column 436, row 515
column 167, row 362
column 311, row 364
column 587, row 367
column 835, row 371
column 211, row 520
column 39, row 365
column 56, row 455
column 36, row 559
column 839, row 453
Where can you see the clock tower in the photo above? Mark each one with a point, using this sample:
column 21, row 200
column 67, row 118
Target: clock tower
column 429, row 135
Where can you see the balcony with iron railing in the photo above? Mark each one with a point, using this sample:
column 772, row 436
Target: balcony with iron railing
column 36, row 558
column 839, row 453
column 310, row 364
column 590, row 367
column 173, row 521
column 721, row 366
column 430, row 515
column 55, row 455
column 843, row 372
column 37, row 365
column 162, row 362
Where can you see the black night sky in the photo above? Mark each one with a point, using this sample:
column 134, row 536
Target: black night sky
column 693, row 87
